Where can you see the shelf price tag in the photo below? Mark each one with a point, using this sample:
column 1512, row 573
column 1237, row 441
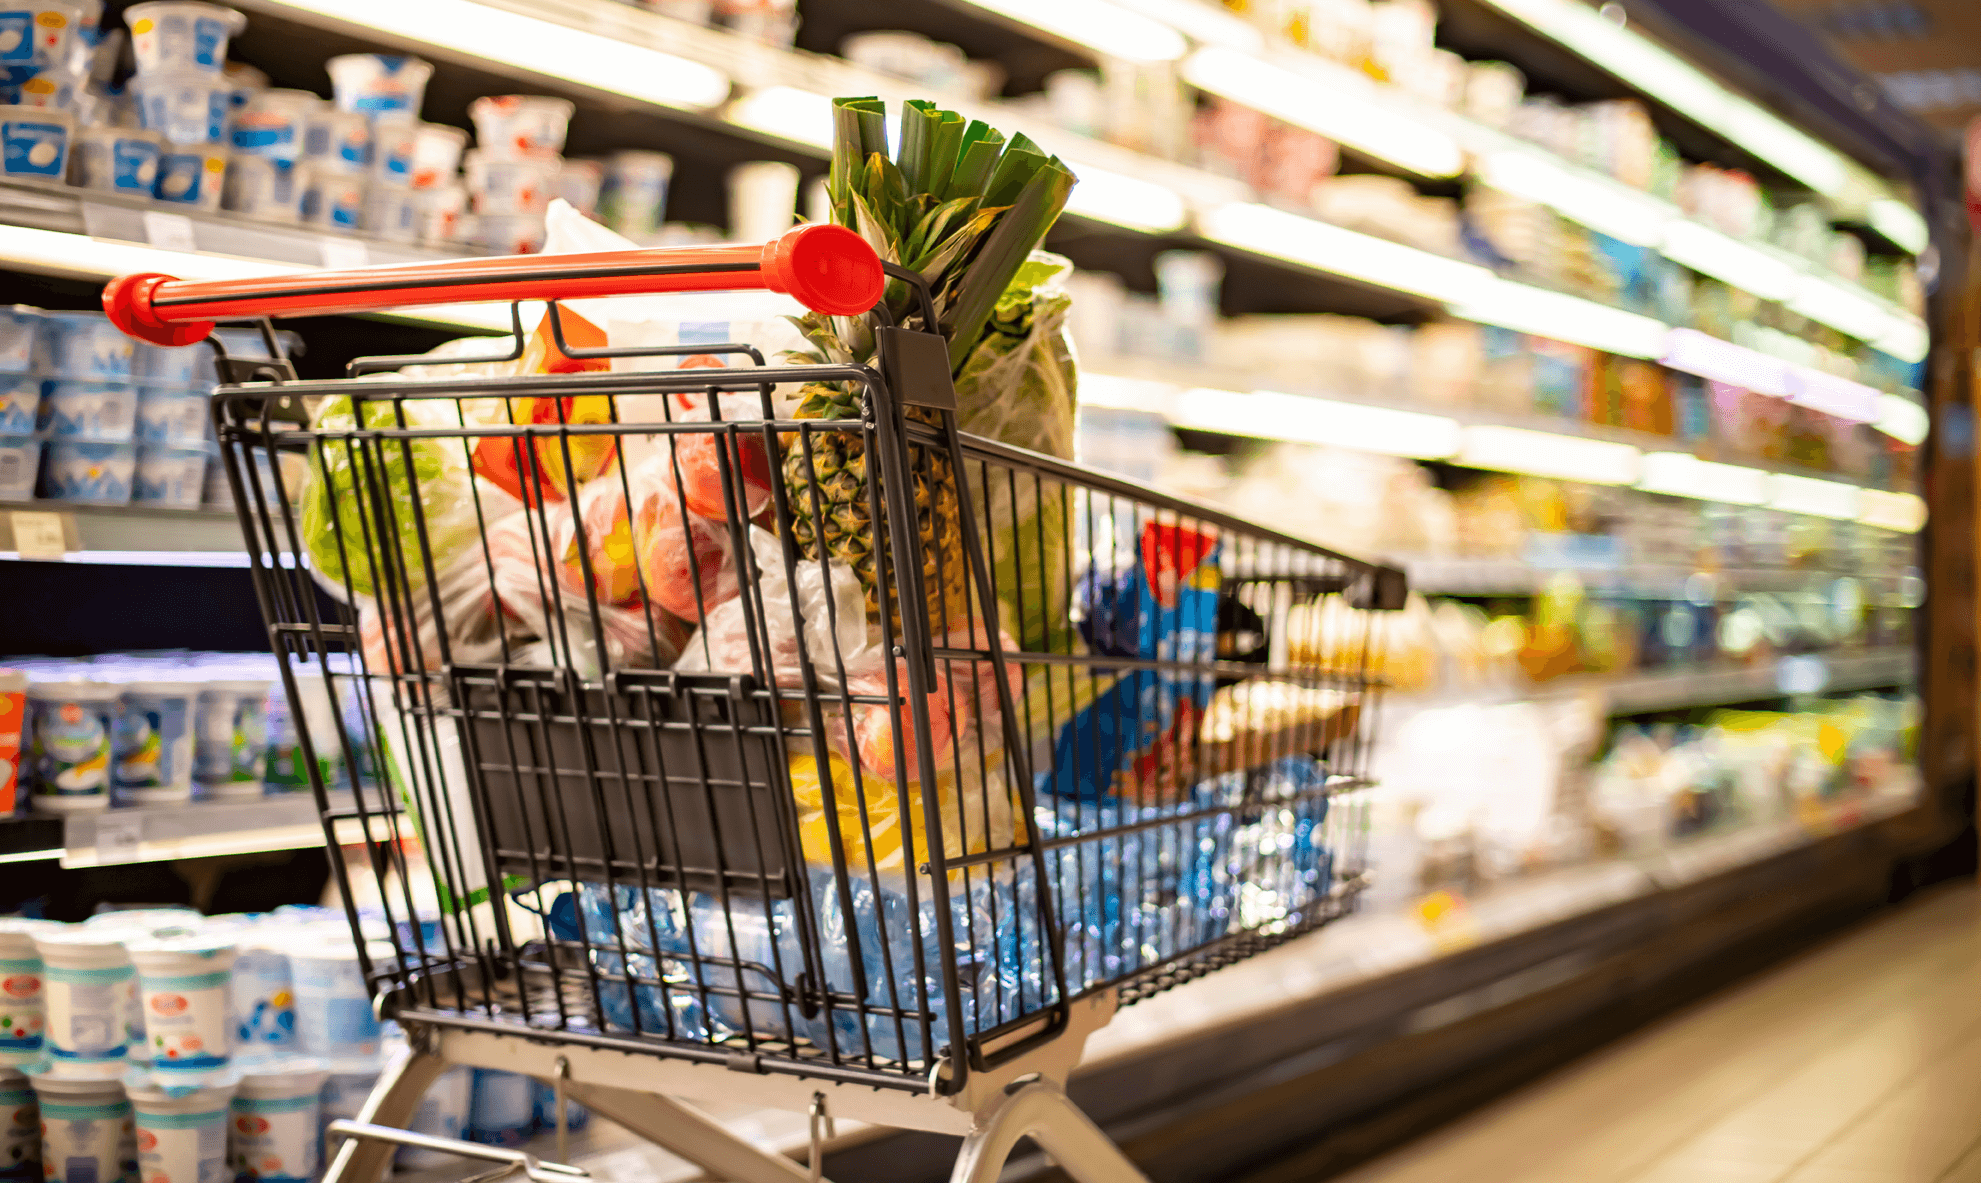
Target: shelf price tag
column 340, row 254
column 41, row 535
column 1445, row 916
column 171, row 232
column 118, row 838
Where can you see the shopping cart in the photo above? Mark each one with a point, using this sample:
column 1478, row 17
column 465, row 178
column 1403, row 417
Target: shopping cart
column 705, row 748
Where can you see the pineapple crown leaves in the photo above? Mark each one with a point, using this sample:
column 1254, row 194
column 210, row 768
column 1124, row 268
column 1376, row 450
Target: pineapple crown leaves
column 956, row 202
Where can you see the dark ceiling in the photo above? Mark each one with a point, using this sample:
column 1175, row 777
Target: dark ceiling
column 1925, row 53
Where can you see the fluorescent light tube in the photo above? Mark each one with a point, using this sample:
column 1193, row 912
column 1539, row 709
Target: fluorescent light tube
column 1561, row 317
column 1818, row 498
column 1267, row 231
column 549, row 48
column 1680, row 474
column 1205, row 23
column 1833, row 395
column 1906, row 339
column 788, row 113
column 1269, row 414
column 1729, row 260
column 1902, row 419
column 1903, row 512
column 1706, row 356
column 1542, row 453
column 1125, row 201
column 1112, row 30
column 1901, row 224
column 1349, row 110
column 1116, row 393
column 1596, row 202
column 1849, row 312
column 1669, row 79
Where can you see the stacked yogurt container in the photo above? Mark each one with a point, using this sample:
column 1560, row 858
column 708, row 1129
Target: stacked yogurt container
column 515, row 168
column 88, row 413
column 44, row 68
column 20, row 403
column 348, row 187
column 184, row 96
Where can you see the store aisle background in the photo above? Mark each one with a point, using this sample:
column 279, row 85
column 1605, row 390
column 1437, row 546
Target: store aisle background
column 1856, row 1062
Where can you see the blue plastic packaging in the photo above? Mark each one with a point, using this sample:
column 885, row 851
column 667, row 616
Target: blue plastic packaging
column 83, row 345
column 502, row 1108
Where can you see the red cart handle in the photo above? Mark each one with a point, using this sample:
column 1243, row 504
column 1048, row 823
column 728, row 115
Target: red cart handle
column 827, row 268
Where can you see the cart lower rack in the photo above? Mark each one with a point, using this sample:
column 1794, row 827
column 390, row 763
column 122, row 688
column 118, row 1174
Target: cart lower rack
column 731, row 728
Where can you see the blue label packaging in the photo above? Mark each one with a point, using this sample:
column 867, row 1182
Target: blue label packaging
column 502, row 1111
column 20, row 404
column 34, row 142
column 172, row 416
column 182, row 1133
column 70, row 728
column 87, row 1129
column 169, row 476
column 89, row 471
column 153, row 754
column 263, row 997
column 77, row 409
column 82, row 345
column 20, row 464
column 194, row 176
column 117, row 159
column 273, row 1133
column 230, row 733
column 89, row 989
column 22, row 1010
column 181, row 35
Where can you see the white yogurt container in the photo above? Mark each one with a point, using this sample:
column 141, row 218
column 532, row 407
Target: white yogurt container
column 35, row 35
column 152, row 759
column 192, row 176
column 391, row 213
column 333, row 200
column 443, row 1113
column 34, row 142
column 274, row 1130
column 394, row 140
column 439, row 212
column 338, row 140
column 502, row 1110
column 509, row 234
column 182, row 1133
column 181, row 35
column 374, row 83
column 184, row 106
column 20, row 404
column 117, row 159
column 633, row 198
column 266, row 190
column 170, row 365
column 169, row 476
column 89, row 991
column 20, row 1129
column 70, row 730
column 511, row 184
column 88, row 471
column 73, row 408
column 82, row 345
column 56, row 87
column 272, row 124
column 230, row 731
column 88, row 1134
column 334, row 1016
column 19, row 326
column 521, row 124
column 263, row 996
column 183, row 984
column 20, row 464
column 578, row 182
column 437, row 154
column 148, row 920
column 344, row 1095
column 244, row 82
column 22, row 1018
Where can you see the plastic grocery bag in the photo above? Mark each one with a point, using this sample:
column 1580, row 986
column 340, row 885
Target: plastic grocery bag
column 685, row 558
column 835, row 620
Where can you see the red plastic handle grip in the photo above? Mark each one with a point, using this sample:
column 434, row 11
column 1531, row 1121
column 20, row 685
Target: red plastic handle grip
column 827, row 268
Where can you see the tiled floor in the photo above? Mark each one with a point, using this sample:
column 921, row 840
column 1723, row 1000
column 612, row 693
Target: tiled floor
column 1859, row 1062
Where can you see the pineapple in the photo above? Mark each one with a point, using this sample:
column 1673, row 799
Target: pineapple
column 840, row 499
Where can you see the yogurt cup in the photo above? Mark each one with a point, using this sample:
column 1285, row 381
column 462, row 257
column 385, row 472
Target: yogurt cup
column 22, row 1018
column 511, row 125
column 344, row 1095
column 36, row 35
column 576, row 1116
column 287, row 770
column 87, row 1131
column 243, row 83
column 83, row 345
column 169, row 365
column 85, row 410
column 394, row 140
column 274, row 1120
column 229, row 733
column 338, row 140
column 511, row 185
column 263, row 998
column 502, row 1110
column 374, row 83
column 168, row 415
column 20, row 463
column 55, row 86
column 34, row 142
column 438, row 213
column 89, row 997
column 148, row 920
column 20, row 1129
column 437, row 154
column 20, row 404
column 183, row 984
column 273, row 124
column 182, row 1133
column 509, row 234
column 181, row 35
column 192, row 176
column 88, row 471
column 334, row 1016
column 443, row 1113
column 263, row 189
column 152, row 756
column 19, row 328
column 633, row 197
column 578, row 182
column 170, row 476
column 333, row 200
column 391, row 213
column 117, row 159
column 71, row 725
column 184, row 106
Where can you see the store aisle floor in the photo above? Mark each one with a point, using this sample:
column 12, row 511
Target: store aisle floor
column 1858, row 1062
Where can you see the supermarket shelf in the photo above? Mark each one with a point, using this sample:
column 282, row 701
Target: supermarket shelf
column 1682, row 687
column 125, row 531
column 158, row 833
column 1517, row 577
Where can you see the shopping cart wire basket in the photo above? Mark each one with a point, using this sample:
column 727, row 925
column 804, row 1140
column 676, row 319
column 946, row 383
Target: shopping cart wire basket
column 718, row 725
